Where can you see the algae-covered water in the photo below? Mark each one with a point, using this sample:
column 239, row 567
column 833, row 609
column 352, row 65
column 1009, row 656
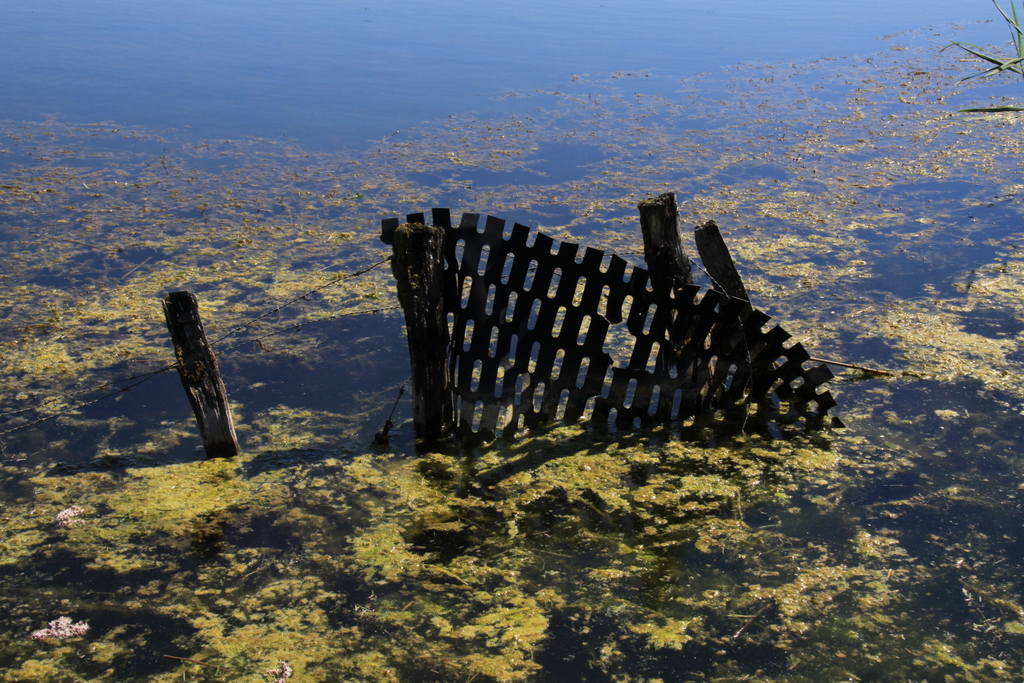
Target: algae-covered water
column 878, row 226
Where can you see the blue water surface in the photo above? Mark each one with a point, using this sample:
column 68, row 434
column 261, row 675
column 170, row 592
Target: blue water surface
column 342, row 73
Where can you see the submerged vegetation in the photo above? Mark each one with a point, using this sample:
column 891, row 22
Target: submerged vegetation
column 877, row 228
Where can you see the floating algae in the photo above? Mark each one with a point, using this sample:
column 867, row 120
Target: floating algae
column 637, row 559
column 876, row 226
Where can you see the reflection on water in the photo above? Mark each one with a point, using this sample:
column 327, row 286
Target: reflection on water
column 887, row 551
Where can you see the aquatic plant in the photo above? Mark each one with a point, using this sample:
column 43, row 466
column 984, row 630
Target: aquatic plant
column 999, row 64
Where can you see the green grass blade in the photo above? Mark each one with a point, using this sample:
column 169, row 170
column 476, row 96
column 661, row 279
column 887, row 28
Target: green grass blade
column 1016, row 33
column 1010, row 21
column 1011, row 64
column 982, row 74
column 999, row 64
column 998, row 108
column 977, row 52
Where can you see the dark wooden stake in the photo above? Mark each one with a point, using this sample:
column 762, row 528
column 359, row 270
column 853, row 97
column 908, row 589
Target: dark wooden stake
column 200, row 375
column 718, row 262
column 663, row 245
column 418, row 265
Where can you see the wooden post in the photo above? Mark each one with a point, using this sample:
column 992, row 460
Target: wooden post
column 418, row 265
column 663, row 245
column 718, row 262
column 200, row 375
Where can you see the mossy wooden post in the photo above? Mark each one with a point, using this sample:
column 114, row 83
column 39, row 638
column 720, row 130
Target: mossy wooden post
column 663, row 244
column 718, row 262
column 418, row 265
column 200, row 375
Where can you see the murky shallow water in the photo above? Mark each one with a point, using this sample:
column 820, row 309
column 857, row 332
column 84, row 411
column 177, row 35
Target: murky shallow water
column 876, row 228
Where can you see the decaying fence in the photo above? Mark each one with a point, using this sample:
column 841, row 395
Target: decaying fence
column 544, row 330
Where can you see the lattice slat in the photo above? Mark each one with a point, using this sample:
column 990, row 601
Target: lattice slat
column 535, row 324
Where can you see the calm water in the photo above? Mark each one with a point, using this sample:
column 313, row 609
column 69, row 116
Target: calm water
column 868, row 220
column 343, row 73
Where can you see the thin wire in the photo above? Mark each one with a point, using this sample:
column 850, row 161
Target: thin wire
column 145, row 377
column 299, row 326
column 149, row 375
column 69, row 394
column 84, row 404
column 341, row 278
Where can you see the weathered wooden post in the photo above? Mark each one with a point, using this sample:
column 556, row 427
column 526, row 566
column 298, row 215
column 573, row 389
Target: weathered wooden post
column 726, row 278
column 200, row 375
column 663, row 244
column 718, row 262
column 418, row 265
column 667, row 263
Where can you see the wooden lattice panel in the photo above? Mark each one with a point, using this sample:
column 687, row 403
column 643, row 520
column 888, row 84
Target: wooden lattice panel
column 544, row 330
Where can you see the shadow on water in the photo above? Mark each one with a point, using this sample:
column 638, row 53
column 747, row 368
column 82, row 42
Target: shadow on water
column 339, row 380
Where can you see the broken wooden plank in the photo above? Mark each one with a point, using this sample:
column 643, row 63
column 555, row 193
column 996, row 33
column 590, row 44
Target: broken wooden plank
column 718, row 261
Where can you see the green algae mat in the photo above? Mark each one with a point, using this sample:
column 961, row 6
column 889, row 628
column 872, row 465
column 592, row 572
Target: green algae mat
column 874, row 223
